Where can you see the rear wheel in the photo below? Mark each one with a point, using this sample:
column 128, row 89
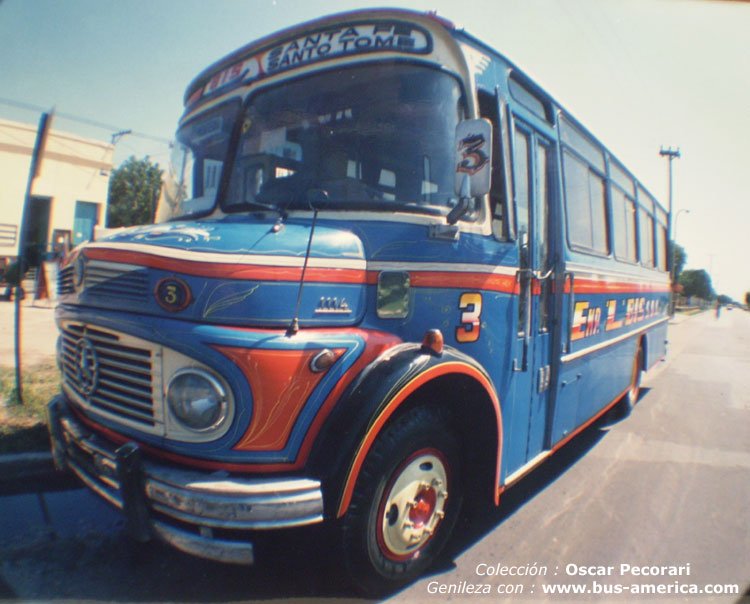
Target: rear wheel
column 405, row 503
column 630, row 398
column 635, row 383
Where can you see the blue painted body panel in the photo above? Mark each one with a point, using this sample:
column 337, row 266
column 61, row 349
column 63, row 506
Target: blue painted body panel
column 240, row 234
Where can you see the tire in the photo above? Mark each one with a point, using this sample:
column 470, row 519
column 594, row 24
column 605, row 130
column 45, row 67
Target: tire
column 630, row 398
column 405, row 503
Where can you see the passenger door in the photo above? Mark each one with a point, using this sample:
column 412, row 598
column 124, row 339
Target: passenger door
column 533, row 164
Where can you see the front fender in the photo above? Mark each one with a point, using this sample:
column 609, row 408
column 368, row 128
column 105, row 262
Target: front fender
column 381, row 390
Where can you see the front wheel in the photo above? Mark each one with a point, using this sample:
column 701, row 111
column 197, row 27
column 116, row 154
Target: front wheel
column 405, row 503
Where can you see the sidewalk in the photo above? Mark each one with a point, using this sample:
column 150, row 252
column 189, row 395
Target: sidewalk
column 38, row 332
column 28, row 471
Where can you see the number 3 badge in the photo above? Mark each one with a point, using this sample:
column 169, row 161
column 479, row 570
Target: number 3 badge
column 173, row 294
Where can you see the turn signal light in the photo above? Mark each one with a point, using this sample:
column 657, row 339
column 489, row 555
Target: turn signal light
column 323, row 361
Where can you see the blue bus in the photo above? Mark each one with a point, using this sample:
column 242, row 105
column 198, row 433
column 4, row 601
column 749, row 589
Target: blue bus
column 391, row 274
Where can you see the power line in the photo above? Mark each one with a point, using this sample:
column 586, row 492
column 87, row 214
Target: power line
column 83, row 120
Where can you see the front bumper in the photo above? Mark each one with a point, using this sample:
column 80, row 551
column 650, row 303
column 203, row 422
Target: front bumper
column 206, row 514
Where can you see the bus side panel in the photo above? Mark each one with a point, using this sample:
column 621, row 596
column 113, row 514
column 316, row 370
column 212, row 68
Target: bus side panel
column 588, row 384
column 656, row 345
column 607, row 374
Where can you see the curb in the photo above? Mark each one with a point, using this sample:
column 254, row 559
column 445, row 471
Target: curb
column 25, row 465
column 30, row 471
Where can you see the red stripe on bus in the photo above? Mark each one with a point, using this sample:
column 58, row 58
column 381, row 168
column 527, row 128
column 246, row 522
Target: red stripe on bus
column 229, row 270
column 333, row 275
column 597, row 286
column 437, row 279
column 468, row 280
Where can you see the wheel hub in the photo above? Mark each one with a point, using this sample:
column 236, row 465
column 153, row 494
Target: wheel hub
column 423, row 507
column 413, row 505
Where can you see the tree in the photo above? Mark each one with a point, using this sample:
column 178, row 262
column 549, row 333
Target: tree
column 679, row 258
column 747, row 298
column 133, row 192
column 697, row 283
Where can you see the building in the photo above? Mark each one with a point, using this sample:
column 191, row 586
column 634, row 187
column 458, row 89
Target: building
column 69, row 196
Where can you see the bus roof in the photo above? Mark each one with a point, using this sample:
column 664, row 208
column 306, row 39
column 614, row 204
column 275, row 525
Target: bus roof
column 429, row 21
column 233, row 67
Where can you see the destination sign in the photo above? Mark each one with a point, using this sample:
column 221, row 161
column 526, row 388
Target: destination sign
column 347, row 40
column 322, row 45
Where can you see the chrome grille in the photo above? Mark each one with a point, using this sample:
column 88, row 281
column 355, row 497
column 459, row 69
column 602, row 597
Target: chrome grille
column 109, row 375
column 116, row 280
column 65, row 281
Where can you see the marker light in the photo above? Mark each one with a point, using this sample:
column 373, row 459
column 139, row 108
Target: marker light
column 433, row 341
column 322, row 361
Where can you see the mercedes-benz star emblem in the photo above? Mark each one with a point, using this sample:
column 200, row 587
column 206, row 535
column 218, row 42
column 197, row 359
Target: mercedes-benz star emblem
column 87, row 367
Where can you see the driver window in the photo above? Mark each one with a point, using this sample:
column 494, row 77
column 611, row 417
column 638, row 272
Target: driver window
column 488, row 108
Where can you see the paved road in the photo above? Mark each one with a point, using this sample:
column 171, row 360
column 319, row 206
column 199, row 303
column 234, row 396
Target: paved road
column 668, row 487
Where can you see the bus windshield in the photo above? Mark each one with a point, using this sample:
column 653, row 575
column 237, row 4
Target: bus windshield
column 373, row 137
column 191, row 183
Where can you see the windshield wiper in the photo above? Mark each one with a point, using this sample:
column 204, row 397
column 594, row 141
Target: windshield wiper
column 257, row 205
column 381, row 206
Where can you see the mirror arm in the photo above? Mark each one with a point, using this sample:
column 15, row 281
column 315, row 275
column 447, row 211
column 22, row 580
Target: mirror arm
column 463, row 205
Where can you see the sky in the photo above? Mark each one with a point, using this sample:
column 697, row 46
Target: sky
column 640, row 74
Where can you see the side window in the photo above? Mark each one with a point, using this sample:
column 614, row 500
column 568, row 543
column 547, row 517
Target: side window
column 662, row 247
column 586, row 205
column 646, row 237
column 543, row 165
column 646, row 223
column 623, row 215
column 662, row 241
column 521, row 178
column 488, row 108
column 521, row 93
column 522, row 188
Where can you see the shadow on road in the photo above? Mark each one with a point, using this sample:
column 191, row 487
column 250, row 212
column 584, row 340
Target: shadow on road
column 299, row 565
column 484, row 518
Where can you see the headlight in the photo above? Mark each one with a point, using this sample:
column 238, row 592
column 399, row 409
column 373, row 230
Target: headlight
column 197, row 399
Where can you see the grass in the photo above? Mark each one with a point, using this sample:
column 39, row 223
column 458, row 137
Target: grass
column 23, row 428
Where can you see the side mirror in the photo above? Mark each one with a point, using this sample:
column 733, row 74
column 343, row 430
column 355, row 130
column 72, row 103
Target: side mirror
column 473, row 146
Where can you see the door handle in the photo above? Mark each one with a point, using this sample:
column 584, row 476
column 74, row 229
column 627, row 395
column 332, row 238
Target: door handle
column 541, row 277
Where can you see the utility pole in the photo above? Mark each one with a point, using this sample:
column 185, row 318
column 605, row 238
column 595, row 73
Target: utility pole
column 118, row 135
column 36, row 161
column 671, row 154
